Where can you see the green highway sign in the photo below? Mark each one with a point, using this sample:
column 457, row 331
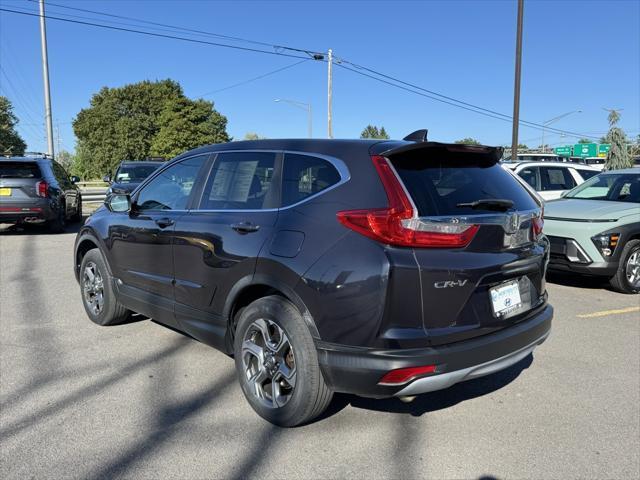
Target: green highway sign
column 585, row 150
column 603, row 149
column 563, row 151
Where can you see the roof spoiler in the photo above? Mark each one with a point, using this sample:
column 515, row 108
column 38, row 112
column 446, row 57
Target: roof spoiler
column 417, row 136
column 490, row 154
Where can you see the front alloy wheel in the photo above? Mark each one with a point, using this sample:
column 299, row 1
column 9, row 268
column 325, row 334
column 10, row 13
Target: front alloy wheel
column 632, row 269
column 269, row 363
column 93, row 288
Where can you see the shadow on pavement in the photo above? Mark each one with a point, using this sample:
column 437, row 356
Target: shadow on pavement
column 579, row 281
column 431, row 402
column 25, row 229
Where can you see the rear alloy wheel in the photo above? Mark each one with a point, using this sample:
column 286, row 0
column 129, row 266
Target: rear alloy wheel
column 98, row 296
column 277, row 363
column 627, row 278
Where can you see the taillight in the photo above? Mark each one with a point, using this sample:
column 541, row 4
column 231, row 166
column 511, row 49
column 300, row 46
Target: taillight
column 405, row 375
column 398, row 224
column 537, row 224
column 42, row 189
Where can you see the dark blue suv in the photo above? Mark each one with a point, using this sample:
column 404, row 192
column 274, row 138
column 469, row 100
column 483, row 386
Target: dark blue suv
column 378, row 268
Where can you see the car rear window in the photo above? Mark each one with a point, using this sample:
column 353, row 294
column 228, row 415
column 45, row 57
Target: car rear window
column 438, row 186
column 19, row 170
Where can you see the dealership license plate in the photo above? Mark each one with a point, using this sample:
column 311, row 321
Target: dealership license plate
column 505, row 298
column 5, row 192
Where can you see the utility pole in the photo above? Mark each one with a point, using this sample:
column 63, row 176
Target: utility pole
column 45, row 76
column 58, row 137
column 516, row 87
column 329, row 92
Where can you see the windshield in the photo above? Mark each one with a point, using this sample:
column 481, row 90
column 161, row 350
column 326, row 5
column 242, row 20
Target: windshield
column 134, row 173
column 622, row 187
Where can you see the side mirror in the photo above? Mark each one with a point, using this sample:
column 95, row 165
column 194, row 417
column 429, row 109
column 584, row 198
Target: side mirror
column 119, row 202
column 107, row 178
column 564, row 193
column 75, row 179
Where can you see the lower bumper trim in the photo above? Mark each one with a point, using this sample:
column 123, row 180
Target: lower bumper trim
column 446, row 380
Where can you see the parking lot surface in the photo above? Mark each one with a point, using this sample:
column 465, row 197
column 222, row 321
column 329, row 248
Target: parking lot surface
column 140, row 400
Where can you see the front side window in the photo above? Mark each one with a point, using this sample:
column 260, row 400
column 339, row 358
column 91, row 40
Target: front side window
column 556, row 178
column 241, row 181
column 170, row 190
column 304, row 175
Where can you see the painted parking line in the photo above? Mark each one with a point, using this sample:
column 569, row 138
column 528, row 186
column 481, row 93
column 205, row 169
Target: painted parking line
column 610, row 312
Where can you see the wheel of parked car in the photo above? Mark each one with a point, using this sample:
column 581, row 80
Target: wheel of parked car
column 277, row 363
column 77, row 216
column 627, row 278
column 96, row 286
column 58, row 224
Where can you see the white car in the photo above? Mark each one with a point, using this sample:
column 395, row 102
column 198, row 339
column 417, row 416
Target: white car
column 552, row 179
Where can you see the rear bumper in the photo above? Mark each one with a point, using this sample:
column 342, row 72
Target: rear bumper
column 34, row 212
column 358, row 370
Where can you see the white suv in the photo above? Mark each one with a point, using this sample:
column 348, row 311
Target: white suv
column 552, row 179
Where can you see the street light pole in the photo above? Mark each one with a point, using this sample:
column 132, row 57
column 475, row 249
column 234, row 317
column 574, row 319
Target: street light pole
column 304, row 106
column 45, row 75
column 516, row 88
column 553, row 120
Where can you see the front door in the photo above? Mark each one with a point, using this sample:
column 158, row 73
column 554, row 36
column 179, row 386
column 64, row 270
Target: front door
column 217, row 244
column 141, row 245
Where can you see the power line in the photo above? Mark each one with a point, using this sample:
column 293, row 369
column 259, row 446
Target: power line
column 161, row 35
column 253, row 79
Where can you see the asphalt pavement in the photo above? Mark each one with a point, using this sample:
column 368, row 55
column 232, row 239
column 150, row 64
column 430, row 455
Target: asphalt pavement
column 142, row 401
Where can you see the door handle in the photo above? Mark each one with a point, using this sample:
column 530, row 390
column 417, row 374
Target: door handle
column 164, row 222
column 245, row 227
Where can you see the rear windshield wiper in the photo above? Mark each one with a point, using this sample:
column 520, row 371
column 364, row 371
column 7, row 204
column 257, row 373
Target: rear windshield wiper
column 489, row 204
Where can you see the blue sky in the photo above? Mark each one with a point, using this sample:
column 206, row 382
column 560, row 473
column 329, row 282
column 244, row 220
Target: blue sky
column 577, row 55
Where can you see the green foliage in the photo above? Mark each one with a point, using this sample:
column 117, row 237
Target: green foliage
column 141, row 120
column 371, row 131
column 11, row 143
column 468, row 141
column 618, row 156
column 585, row 140
column 522, row 146
column 253, row 136
column 66, row 159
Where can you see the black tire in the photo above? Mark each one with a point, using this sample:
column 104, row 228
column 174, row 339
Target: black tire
column 77, row 216
column 310, row 395
column 620, row 281
column 111, row 311
column 58, row 224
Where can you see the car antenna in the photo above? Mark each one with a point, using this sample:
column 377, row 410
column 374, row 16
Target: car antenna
column 417, row 136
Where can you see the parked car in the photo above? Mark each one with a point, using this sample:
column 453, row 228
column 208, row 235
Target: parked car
column 595, row 229
column 552, row 179
column 130, row 174
column 534, row 157
column 377, row 268
column 37, row 190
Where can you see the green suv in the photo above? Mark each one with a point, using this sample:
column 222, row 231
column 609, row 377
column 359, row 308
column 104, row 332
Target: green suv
column 595, row 229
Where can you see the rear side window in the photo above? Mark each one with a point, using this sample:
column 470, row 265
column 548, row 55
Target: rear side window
column 241, row 181
column 305, row 175
column 587, row 174
column 530, row 175
column 556, row 178
column 438, row 186
column 19, row 170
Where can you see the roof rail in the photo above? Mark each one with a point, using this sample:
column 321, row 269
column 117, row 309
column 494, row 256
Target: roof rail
column 417, row 136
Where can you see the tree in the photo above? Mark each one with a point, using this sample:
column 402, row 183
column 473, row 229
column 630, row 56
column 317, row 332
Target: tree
column 522, row 146
column 585, row 140
column 468, row 141
column 140, row 120
column 66, row 159
column 11, row 143
column 618, row 156
column 371, row 131
column 253, row 136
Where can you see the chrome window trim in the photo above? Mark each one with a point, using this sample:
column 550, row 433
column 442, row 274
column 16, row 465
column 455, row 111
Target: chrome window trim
column 338, row 164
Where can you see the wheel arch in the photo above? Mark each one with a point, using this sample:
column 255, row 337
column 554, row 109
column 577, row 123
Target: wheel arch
column 253, row 288
column 86, row 241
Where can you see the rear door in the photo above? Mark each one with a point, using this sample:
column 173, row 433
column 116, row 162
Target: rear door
column 464, row 288
column 218, row 242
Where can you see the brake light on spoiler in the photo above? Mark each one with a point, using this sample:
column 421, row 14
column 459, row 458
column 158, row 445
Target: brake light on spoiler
column 398, row 224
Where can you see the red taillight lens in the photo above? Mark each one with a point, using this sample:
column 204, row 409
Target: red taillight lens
column 538, row 224
column 397, row 225
column 42, row 189
column 404, row 375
